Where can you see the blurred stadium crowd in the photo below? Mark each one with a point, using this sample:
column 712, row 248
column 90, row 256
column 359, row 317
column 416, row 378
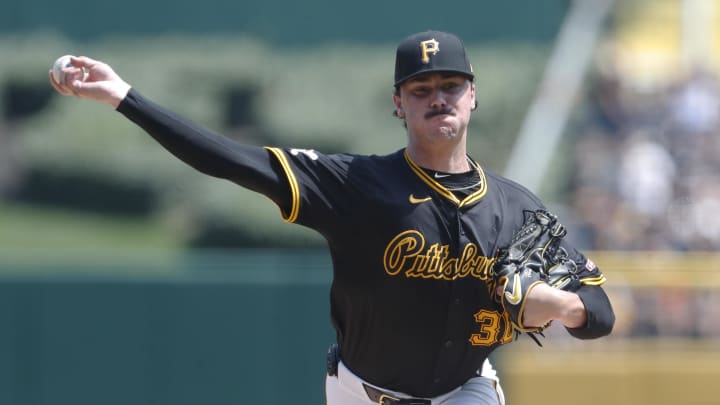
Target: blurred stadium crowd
column 647, row 165
column 645, row 179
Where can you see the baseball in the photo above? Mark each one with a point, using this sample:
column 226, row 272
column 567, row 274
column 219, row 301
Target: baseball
column 60, row 63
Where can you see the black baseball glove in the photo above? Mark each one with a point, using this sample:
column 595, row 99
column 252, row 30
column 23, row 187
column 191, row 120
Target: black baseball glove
column 533, row 256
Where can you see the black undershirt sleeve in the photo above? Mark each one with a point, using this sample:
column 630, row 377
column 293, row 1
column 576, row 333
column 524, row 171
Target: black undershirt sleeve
column 600, row 315
column 252, row 167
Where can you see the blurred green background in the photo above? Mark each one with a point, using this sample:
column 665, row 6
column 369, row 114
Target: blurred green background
column 127, row 277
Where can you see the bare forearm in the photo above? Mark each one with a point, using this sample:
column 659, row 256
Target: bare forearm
column 586, row 313
column 545, row 304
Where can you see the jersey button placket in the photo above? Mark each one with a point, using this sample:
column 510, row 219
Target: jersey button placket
column 459, row 222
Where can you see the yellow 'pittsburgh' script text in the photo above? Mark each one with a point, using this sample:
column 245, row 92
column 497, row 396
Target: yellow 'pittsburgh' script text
column 406, row 253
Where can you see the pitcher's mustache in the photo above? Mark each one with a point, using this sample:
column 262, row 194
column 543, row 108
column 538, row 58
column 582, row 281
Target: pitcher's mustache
column 433, row 113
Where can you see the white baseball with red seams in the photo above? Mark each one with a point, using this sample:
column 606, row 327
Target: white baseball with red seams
column 60, row 63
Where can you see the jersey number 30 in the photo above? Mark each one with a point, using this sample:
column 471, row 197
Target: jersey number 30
column 490, row 329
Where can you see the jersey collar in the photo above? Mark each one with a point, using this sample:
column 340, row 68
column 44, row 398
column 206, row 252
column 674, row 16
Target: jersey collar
column 442, row 190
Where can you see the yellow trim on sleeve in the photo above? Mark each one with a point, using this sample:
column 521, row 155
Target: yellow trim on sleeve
column 594, row 280
column 294, row 187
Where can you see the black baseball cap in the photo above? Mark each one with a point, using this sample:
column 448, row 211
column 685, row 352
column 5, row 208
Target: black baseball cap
column 430, row 51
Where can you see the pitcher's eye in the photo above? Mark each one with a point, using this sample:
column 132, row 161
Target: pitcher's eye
column 451, row 86
column 420, row 91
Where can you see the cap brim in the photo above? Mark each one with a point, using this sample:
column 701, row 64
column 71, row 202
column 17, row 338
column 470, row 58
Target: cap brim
column 440, row 70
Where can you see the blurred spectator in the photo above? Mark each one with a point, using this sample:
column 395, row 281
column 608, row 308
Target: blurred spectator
column 675, row 314
column 708, row 306
column 646, row 176
column 607, row 108
column 695, row 104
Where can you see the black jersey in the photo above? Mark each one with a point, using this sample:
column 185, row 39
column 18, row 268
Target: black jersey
column 411, row 301
column 410, row 298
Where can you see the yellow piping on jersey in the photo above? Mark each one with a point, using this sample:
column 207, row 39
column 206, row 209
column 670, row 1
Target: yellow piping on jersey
column 472, row 198
column 294, row 188
column 594, row 280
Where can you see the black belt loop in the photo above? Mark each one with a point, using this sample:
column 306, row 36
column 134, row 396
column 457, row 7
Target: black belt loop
column 383, row 398
column 333, row 358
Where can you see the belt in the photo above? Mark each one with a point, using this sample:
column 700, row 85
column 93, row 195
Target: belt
column 383, row 398
column 375, row 395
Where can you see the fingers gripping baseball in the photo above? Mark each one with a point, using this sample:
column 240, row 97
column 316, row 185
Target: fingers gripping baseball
column 90, row 79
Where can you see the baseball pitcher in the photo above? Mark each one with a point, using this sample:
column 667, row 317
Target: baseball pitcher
column 437, row 261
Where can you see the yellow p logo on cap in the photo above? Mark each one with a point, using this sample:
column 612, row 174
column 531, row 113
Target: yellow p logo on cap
column 431, row 46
